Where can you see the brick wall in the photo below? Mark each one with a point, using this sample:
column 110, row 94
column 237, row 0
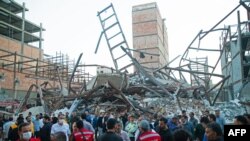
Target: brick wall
column 15, row 46
column 149, row 35
column 12, row 45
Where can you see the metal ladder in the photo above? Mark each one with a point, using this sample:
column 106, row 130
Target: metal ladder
column 115, row 38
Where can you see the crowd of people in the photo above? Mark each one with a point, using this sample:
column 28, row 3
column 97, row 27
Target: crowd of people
column 110, row 126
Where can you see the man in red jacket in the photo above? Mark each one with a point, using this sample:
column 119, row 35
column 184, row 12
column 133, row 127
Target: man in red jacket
column 82, row 134
column 146, row 134
column 24, row 131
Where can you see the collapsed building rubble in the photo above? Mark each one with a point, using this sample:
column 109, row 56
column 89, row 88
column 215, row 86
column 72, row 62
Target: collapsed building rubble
column 119, row 91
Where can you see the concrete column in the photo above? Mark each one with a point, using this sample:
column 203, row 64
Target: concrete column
column 40, row 41
column 22, row 38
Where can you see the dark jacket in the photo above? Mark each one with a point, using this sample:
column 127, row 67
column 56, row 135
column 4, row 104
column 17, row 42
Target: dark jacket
column 165, row 134
column 45, row 132
column 95, row 119
column 172, row 126
column 199, row 132
column 13, row 132
column 99, row 122
column 109, row 136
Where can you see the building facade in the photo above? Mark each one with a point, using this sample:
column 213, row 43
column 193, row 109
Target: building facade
column 150, row 38
column 20, row 45
column 235, row 61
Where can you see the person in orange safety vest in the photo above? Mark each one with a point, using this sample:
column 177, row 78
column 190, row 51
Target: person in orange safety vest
column 146, row 134
column 82, row 134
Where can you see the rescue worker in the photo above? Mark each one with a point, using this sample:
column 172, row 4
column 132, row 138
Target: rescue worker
column 81, row 133
column 146, row 133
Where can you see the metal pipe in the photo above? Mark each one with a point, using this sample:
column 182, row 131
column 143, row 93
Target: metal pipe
column 223, row 81
column 184, row 70
column 221, row 21
column 73, row 74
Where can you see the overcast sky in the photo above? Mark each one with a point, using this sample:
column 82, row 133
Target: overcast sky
column 72, row 26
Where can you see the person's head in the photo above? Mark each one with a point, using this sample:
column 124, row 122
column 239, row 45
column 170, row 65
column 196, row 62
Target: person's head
column 213, row 131
column 20, row 115
column 183, row 113
column 37, row 116
column 46, row 119
column 182, row 135
column 28, row 119
column 59, row 136
column 24, row 131
column 240, row 120
column 191, row 114
column 131, row 118
column 206, row 112
column 144, row 126
column 204, row 121
column 175, row 119
column 54, row 120
column 79, row 124
column 86, row 112
column 60, row 119
column 84, row 116
column 19, row 121
column 41, row 115
column 74, row 127
column 141, row 117
column 163, row 123
column 101, row 113
column 217, row 113
column 11, row 119
column 184, row 119
column 111, row 123
column 212, row 117
column 30, row 114
column 118, row 127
